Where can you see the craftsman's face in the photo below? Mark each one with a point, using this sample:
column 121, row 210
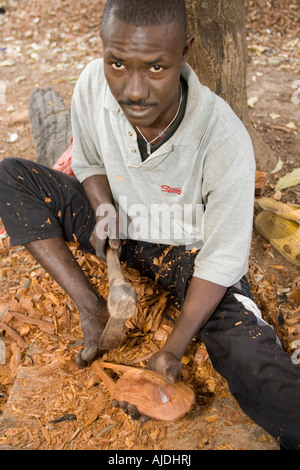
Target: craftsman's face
column 142, row 67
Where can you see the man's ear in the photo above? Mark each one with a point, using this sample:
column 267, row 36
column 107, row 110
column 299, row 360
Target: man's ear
column 187, row 48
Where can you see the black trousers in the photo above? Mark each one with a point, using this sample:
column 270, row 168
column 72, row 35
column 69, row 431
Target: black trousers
column 40, row 203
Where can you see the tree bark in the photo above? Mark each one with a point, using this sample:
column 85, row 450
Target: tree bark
column 219, row 57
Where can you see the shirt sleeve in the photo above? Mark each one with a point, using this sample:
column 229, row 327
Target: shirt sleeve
column 86, row 160
column 228, row 194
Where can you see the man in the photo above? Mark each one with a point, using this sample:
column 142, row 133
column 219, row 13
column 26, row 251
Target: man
column 147, row 134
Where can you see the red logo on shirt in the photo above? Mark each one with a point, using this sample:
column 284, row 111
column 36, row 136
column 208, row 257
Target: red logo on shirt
column 168, row 189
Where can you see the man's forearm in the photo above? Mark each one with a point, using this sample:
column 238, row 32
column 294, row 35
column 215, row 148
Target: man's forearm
column 97, row 190
column 106, row 228
column 202, row 299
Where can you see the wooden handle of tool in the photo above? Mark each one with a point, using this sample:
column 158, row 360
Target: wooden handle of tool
column 122, row 295
column 115, row 274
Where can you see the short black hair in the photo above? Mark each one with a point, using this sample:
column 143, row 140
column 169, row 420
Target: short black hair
column 148, row 12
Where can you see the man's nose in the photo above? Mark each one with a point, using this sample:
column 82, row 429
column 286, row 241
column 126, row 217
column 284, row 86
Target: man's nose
column 136, row 87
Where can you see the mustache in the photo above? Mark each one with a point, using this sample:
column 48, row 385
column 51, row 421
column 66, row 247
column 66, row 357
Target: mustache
column 139, row 103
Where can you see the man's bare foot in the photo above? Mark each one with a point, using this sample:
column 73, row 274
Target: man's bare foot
column 93, row 321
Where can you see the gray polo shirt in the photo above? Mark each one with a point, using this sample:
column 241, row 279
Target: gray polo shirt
column 196, row 190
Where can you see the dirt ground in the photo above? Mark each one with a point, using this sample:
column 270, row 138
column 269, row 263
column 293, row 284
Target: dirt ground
column 49, row 43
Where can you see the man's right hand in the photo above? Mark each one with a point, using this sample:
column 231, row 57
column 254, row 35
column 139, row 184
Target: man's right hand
column 106, row 230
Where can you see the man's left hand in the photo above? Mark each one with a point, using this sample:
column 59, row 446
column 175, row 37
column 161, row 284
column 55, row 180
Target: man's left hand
column 167, row 364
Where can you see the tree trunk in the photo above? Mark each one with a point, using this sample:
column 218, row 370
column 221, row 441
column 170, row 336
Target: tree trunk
column 219, row 57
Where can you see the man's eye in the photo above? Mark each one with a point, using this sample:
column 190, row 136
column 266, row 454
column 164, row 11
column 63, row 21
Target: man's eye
column 117, row 66
column 156, row 69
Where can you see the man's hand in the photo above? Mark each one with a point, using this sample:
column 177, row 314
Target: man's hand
column 167, row 364
column 106, row 230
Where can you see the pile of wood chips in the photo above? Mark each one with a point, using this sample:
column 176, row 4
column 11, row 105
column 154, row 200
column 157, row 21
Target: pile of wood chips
column 46, row 402
column 40, row 336
column 55, row 405
column 280, row 305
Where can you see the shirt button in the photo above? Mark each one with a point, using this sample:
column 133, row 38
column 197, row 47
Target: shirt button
column 133, row 151
column 130, row 133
